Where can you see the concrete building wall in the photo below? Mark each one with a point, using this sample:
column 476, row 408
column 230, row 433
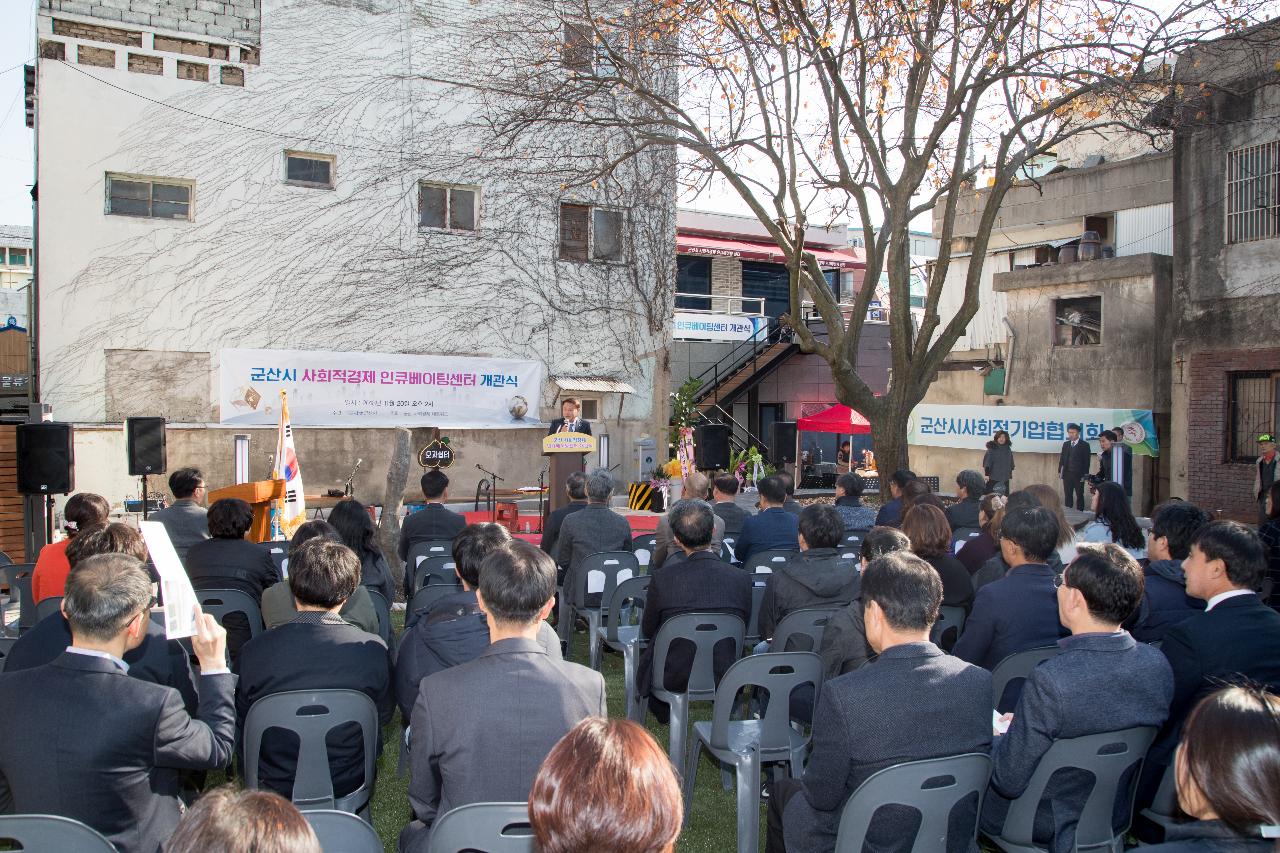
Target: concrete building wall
column 807, row 378
column 231, row 19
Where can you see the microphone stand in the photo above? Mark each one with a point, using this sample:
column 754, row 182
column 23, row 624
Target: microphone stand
column 542, row 498
column 346, row 489
column 493, row 492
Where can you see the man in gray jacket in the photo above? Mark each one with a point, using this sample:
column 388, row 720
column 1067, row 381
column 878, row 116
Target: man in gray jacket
column 185, row 520
column 591, row 530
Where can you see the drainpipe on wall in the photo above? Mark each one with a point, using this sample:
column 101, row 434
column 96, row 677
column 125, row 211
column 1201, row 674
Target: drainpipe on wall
column 1008, row 359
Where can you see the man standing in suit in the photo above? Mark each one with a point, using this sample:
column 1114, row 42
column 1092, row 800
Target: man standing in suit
column 1234, row 641
column 86, row 742
column 318, row 650
column 592, row 530
column 1115, row 461
column 481, row 729
column 1073, row 467
column 724, row 491
column 1019, row 611
column 570, row 419
column 773, row 528
column 1102, row 681
column 576, row 485
column 433, row 521
column 185, row 519
column 912, row 703
column 700, row 583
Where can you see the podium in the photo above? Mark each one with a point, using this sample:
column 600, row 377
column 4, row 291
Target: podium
column 567, row 452
column 258, row 495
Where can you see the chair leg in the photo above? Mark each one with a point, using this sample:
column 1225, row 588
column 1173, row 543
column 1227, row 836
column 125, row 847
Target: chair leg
column 679, row 728
column 748, row 770
column 594, row 643
column 691, row 776
column 799, row 758
column 726, row 777
column 629, row 652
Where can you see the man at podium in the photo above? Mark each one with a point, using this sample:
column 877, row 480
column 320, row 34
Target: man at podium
column 570, row 419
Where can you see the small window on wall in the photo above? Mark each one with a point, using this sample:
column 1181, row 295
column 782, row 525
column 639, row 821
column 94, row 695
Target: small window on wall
column 310, row 170
column 590, row 409
column 449, row 207
column 19, row 258
column 589, row 233
column 1077, row 322
column 1253, row 406
column 154, row 198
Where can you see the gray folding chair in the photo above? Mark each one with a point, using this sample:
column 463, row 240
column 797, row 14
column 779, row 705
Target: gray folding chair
column 1164, row 810
column 627, row 601
column 1016, row 667
column 726, row 547
column 383, row 608
column 219, row 602
column 704, row 631
column 343, row 832
column 606, row 569
column 746, row 744
column 947, row 629
column 486, row 827
column 48, row 607
column 643, row 545
column 424, row 598
column 43, row 832
column 18, row 578
column 311, row 715
column 279, row 552
column 418, row 553
column 6, row 643
column 758, row 584
column 801, row 630
column 1108, row 757
column 935, row 788
column 961, row 535
column 436, row 569
column 765, row 562
column 853, row 539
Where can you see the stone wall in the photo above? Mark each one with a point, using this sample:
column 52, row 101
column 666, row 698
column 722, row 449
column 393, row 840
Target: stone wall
column 240, row 20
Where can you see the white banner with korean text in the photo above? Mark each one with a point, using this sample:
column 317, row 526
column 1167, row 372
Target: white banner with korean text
column 689, row 326
column 1032, row 429
column 378, row 389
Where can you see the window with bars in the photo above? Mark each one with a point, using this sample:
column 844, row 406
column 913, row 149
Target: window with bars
column 1253, row 193
column 1254, row 407
column 449, row 207
column 154, row 198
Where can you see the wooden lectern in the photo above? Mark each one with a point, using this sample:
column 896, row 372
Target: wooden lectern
column 568, row 452
column 258, row 495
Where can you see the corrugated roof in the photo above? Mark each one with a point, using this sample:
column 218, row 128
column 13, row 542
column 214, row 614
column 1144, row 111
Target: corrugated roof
column 15, row 234
column 597, row 384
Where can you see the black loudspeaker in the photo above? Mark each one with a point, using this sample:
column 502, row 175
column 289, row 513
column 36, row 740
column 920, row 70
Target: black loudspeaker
column 782, row 448
column 711, row 446
column 46, row 459
column 144, row 443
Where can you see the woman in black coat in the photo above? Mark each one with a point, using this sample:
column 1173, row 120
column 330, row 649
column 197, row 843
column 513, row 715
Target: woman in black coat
column 998, row 462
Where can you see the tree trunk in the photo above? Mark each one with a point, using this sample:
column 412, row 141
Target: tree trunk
column 889, row 442
column 393, row 497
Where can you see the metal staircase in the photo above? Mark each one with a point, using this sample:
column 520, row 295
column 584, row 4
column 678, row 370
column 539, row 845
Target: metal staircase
column 749, row 360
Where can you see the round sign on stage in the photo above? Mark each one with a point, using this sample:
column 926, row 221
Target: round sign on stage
column 436, row 454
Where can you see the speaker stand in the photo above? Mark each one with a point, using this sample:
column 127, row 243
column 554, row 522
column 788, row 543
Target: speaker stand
column 48, row 518
column 144, row 496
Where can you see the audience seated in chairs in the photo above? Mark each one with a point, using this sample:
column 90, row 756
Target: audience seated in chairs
column 913, row 702
column 844, row 639
column 481, row 729
column 664, row 546
column 1051, row 499
column 772, row 528
column 699, row 583
column 318, row 650
column 724, row 491
column 970, row 486
column 575, row 486
column 229, row 561
column 226, row 820
column 1165, row 601
column 1234, row 641
column 49, row 577
column 454, row 630
column 890, row 513
column 817, row 576
column 155, row 659
column 86, row 742
column 1113, row 520
column 978, row 549
column 853, row 512
column 642, row 810
column 591, row 530
column 433, row 521
column 1103, row 681
column 278, row 606
column 1019, row 611
column 917, row 493
column 930, row 535
column 1228, row 775
column 354, row 524
column 790, row 504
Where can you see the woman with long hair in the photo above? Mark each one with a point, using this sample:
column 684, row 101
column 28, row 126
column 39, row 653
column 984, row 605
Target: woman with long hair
column 1113, row 521
column 976, row 550
column 354, row 524
column 1228, row 773
column 1270, row 535
column 1051, row 499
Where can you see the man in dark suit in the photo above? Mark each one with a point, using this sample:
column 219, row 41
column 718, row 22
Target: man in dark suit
column 1019, row 611
column 88, row 743
column 593, row 529
column 481, row 729
column 1115, row 461
column 1102, row 681
column 665, row 548
column 184, row 520
column 1165, row 601
column 433, row 521
column 963, row 514
column 773, row 528
column 1235, row 640
column 318, row 650
column 700, row 583
column 724, row 491
column 570, row 419
column 913, row 702
column 890, row 514
column 1073, row 466
column 576, row 485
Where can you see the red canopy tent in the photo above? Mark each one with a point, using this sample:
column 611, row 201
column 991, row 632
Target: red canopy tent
column 839, row 418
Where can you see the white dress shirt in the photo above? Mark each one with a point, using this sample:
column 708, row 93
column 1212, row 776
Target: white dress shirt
column 1223, row 596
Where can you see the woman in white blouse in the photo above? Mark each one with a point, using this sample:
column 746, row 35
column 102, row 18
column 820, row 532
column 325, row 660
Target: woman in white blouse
column 1114, row 522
